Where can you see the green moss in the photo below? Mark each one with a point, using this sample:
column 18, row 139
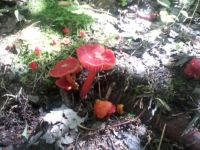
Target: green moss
column 123, row 3
column 50, row 14
column 46, row 62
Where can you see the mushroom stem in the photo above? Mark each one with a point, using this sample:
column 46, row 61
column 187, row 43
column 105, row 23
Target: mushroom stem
column 71, row 81
column 88, row 84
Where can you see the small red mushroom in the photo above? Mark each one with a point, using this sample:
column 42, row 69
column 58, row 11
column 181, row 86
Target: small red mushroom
column 37, row 51
column 94, row 58
column 66, row 30
column 66, row 41
column 66, row 68
column 120, row 109
column 192, row 69
column 103, row 109
column 33, row 66
column 55, row 42
column 82, row 34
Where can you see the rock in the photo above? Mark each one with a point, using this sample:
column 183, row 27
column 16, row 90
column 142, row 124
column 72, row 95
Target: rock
column 33, row 98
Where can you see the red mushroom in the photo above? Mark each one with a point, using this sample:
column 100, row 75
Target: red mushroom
column 192, row 69
column 82, row 34
column 37, row 51
column 66, row 68
column 94, row 58
column 120, row 109
column 103, row 108
column 63, row 84
column 34, row 66
column 66, row 30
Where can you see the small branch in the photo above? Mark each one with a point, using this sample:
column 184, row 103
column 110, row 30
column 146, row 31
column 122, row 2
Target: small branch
column 122, row 123
column 194, row 12
column 192, row 124
column 109, row 90
column 76, row 142
column 99, row 86
column 112, row 126
column 85, row 128
column 161, row 138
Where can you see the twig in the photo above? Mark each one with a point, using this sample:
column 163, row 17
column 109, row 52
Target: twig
column 122, row 123
column 3, row 86
column 76, row 141
column 128, row 121
column 98, row 11
column 85, row 128
column 167, row 107
column 112, row 126
column 194, row 12
column 99, row 86
column 192, row 123
column 4, row 104
column 110, row 90
column 161, row 138
column 111, row 143
column 9, row 95
column 7, row 99
column 178, row 15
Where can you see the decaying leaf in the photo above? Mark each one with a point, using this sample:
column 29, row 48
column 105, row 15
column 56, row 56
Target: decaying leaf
column 64, row 122
column 165, row 17
column 25, row 132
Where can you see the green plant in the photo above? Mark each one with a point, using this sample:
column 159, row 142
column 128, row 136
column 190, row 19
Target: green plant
column 46, row 61
column 168, row 15
column 123, row 3
column 52, row 15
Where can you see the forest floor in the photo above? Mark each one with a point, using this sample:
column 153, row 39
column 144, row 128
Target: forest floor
column 148, row 80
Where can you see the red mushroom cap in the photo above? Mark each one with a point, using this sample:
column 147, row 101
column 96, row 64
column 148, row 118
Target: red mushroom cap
column 103, row 108
column 63, row 84
column 96, row 57
column 64, row 67
column 34, row 66
column 37, row 51
column 66, row 30
column 192, row 69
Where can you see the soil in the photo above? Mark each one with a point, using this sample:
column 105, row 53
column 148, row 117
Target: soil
column 150, row 59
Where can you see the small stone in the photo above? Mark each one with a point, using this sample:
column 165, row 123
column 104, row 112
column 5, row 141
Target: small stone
column 173, row 34
column 33, row 98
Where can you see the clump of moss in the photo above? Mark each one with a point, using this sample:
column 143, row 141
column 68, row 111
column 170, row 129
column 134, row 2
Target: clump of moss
column 53, row 15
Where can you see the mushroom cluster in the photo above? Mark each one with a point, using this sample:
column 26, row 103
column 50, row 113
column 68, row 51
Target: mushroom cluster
column 94, row 58
column 66, row 71
column 192, row 69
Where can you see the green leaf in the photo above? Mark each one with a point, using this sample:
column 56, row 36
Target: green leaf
column 164, row 3
column 164, row 104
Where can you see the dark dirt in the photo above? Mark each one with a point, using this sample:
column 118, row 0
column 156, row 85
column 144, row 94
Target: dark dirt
column 16, row 113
